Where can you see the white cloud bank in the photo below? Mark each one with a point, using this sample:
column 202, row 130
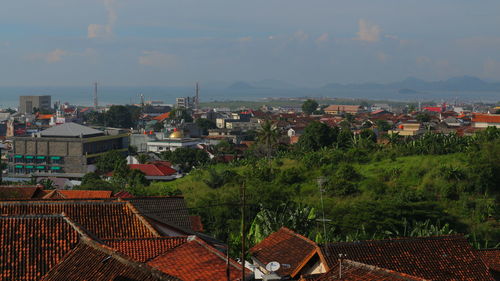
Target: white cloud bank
column 368, row 32
column 104, row 31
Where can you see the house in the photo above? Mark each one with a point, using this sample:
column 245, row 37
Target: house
column 22, row 192
column 348, row 270
column 342, row 109
column 169, row 215
column 77, row 194
column 91, row 260
column 408, row 129
column 297, row 254
column 155, row 171
column 486, row 120
column 448, row 257
column 105, row 219
column 491, row 258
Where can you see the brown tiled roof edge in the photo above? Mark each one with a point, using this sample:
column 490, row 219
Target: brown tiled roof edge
column 141, row 218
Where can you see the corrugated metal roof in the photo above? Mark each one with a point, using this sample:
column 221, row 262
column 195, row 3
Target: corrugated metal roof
column 70, row 130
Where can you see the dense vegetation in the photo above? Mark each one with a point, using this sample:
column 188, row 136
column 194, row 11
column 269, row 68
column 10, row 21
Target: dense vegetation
column 432, row 185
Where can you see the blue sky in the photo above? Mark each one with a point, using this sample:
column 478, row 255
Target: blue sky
column 310, row 43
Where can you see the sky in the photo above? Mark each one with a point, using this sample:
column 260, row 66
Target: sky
column 306, row 43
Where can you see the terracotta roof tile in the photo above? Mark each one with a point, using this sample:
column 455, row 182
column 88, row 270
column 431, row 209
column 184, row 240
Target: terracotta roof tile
column 434, row 258
column 19, row 192
column 491, row 258
column 153, row 170
column 145, row 249
column 355, row 271
column 285, row 247
column 123, row 194
column 78, row 194
column 92, row 261
column 105, row 219
column 31, row 245
column 196, row 260
column 162, row 116
column 170, row 210
column 486, row 118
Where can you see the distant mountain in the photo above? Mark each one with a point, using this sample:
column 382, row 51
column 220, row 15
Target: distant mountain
column 273, row 84
column 464, row 83
column 241, row 86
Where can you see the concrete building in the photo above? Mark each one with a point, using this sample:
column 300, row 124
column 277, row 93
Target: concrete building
column 486, row 120
column 69, row 150
column 408, row 129
column 28, row 103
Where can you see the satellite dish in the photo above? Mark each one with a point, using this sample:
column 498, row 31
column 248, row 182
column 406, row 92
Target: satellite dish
column 273, row 266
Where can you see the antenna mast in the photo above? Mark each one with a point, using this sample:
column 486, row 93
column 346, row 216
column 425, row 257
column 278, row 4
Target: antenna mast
column 197, row 101
column 95, row 95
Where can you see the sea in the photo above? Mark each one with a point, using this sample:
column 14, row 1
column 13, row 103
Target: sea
column 108, row 95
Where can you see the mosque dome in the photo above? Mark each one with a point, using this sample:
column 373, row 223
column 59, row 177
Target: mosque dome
column 177, row 134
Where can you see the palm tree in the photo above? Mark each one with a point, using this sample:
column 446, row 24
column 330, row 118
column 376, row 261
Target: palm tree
column 268, row 136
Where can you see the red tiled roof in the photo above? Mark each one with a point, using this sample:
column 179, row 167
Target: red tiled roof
column 486, row 118
column 105, row 219
column 491, row 258
column 20, row 192
column 123, row 194
column 340, row 107
column 285, row 247
column 93, row 261
column 196, row 260
column 145, row 249
column 433, row 108
column 355, row 271
column 44, row 116
column 31, row 245
column 78, row 194
column 153, row 170
column 162, row 117
column 434, row 258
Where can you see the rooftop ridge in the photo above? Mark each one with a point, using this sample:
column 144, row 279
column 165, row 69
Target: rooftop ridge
column 435, row 237
column 404, row 276
column 63, row 202
column 214, row 251
column 146, row 238
column 299, row 236
column 138, row 214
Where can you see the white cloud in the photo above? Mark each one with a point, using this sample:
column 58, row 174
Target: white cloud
column 368, row 32
column 50, row 57
column 322, row 38
column 103, row 31
column 300, row 35
column 157, row 59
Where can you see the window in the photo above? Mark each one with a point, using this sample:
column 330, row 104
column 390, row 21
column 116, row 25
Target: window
column 18, row 159
column 41, row 159
column 57, row 160
column 30, row 159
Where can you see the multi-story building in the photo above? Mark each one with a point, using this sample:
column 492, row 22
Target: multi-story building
column 28, row 103
column 69, row 150
column 340, row 109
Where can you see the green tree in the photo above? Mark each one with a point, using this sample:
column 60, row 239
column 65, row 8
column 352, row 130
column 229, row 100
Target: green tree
column 109, row 160
column 143, row 158
column 423, row 117
column 205, row 125
column 383, row 125
column 317, row 135
column 186, row 158
column 120, row 116
column 92, row 181
column 309, row 106
column 268, row 137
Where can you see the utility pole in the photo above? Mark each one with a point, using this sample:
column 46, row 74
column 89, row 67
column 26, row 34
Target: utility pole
column 243, row 236
column 197, row 101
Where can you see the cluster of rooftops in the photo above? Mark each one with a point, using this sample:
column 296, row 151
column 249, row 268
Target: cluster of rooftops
column 96, row 235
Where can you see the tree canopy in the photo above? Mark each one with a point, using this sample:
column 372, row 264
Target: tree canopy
column 309, row 106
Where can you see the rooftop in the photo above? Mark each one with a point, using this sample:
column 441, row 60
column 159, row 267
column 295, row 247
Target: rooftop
column 71, row 130
column 448, row 257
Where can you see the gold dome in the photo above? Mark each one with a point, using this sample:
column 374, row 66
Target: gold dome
column 176, row 134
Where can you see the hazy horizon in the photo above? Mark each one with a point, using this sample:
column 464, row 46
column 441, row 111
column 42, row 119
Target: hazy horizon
column 309, row 44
